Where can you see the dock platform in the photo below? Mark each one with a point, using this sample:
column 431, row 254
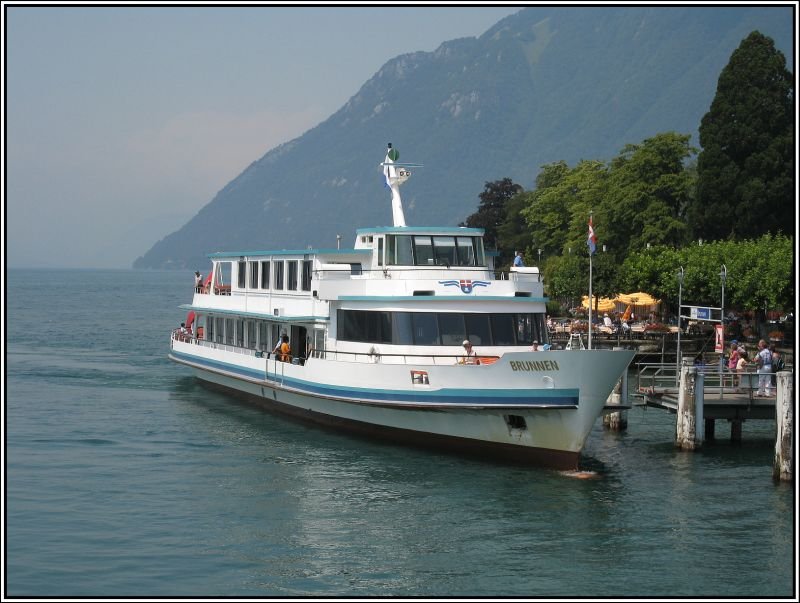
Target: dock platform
column 718, row 403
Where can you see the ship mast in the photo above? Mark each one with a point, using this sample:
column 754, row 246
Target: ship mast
column 396, row 174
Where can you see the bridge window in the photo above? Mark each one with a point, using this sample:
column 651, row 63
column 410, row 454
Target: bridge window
column 423, row 250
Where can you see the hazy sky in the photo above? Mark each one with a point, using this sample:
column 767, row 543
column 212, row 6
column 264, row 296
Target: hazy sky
column 121, row 122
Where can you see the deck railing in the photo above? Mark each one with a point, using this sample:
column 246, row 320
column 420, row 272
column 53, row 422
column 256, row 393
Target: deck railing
column 653, row 376
column 373, row 357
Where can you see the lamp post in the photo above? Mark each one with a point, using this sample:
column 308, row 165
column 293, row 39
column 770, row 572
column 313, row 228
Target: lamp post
column 540, row 255
column 680, row 302
column 723, row 276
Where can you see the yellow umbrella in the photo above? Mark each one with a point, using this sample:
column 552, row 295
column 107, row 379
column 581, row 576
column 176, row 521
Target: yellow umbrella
column 637, row 299
column 604, row 304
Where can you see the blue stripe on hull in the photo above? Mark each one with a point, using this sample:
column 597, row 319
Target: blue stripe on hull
column 461, row 397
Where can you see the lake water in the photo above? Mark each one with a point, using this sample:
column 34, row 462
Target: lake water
column 126, row 478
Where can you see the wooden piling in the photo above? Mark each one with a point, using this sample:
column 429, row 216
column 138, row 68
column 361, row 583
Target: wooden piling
column 784, row 417
column 616, row 421
column 688, row 432
column 736, row 431
column 710, row 425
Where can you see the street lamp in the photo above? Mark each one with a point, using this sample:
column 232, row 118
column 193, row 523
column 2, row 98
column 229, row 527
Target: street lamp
column 540, row 255
column 723, row 276
column 680, row 303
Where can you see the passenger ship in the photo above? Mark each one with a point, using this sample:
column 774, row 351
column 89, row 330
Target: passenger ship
column 376, row 337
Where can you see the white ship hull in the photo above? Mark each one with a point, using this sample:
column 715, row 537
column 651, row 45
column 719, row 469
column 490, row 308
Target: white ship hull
column 527, row 407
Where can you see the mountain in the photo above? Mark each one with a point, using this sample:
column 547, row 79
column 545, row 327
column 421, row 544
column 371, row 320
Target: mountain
column 543, row 85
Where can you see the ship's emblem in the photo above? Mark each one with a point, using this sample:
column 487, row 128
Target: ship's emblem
column 466, row 285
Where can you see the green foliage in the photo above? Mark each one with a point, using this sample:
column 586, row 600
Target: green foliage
column 492, row 209
column 759, row 273
column 566, row 278
column 745, row 171
column 513, row 234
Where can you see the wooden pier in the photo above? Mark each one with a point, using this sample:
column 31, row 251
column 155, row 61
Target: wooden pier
column 699, row 396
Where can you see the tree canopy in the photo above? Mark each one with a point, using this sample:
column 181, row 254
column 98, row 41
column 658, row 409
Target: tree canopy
column 745, row 185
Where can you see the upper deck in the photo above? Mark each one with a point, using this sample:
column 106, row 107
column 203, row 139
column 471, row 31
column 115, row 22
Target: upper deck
column 410, row 268
column 404, row 267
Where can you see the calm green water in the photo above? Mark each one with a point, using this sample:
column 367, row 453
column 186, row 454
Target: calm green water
column 126, row 478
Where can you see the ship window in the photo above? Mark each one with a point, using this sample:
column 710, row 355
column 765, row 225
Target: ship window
column 524, row 328
column 265, row 274
column 242, row 274
column 276, row 333
column 222, row 278
column 451, row 328
column 229, row 331
column 423, row 251
column 251, row 334
column 444, row 251
column 425, row 329
column 380, row 251
column 240, row 333
column 360, row 325
column 263, row 337
column 306, row 284
column 254, row 275
column 480, row 258
column 278, row 270
column 502, row 329
column 433, row 329
column 291, row 276
column 404, row 251
column 478, row 329
column 402, row 330
column 466, row 253
column 210, row 328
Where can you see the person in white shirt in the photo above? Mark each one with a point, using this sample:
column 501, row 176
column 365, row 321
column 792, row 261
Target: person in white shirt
column 764, row 363
column 469, row 357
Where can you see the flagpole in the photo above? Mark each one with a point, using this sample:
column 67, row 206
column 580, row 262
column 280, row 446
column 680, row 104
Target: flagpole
column 590, row 299
column 591, row 253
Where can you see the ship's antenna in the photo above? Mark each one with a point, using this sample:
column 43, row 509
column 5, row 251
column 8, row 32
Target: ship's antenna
column 396, row 174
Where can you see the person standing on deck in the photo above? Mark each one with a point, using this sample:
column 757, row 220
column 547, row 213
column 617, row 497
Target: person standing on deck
column 764, row 363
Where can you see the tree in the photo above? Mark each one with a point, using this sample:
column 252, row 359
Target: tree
column 649, row 190
column 492, row 209
column 745, row 170
column 759, row 273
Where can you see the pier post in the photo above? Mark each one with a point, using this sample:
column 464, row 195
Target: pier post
column 784, row 417
column 689, row 434
column 710, row 424
column 618, row 420
column 736, row 431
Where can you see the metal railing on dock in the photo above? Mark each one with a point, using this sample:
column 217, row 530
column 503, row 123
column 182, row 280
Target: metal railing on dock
column 663, row 379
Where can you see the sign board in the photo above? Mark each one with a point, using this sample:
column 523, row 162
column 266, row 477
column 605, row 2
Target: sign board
column 700, row 313
column 719, row 339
